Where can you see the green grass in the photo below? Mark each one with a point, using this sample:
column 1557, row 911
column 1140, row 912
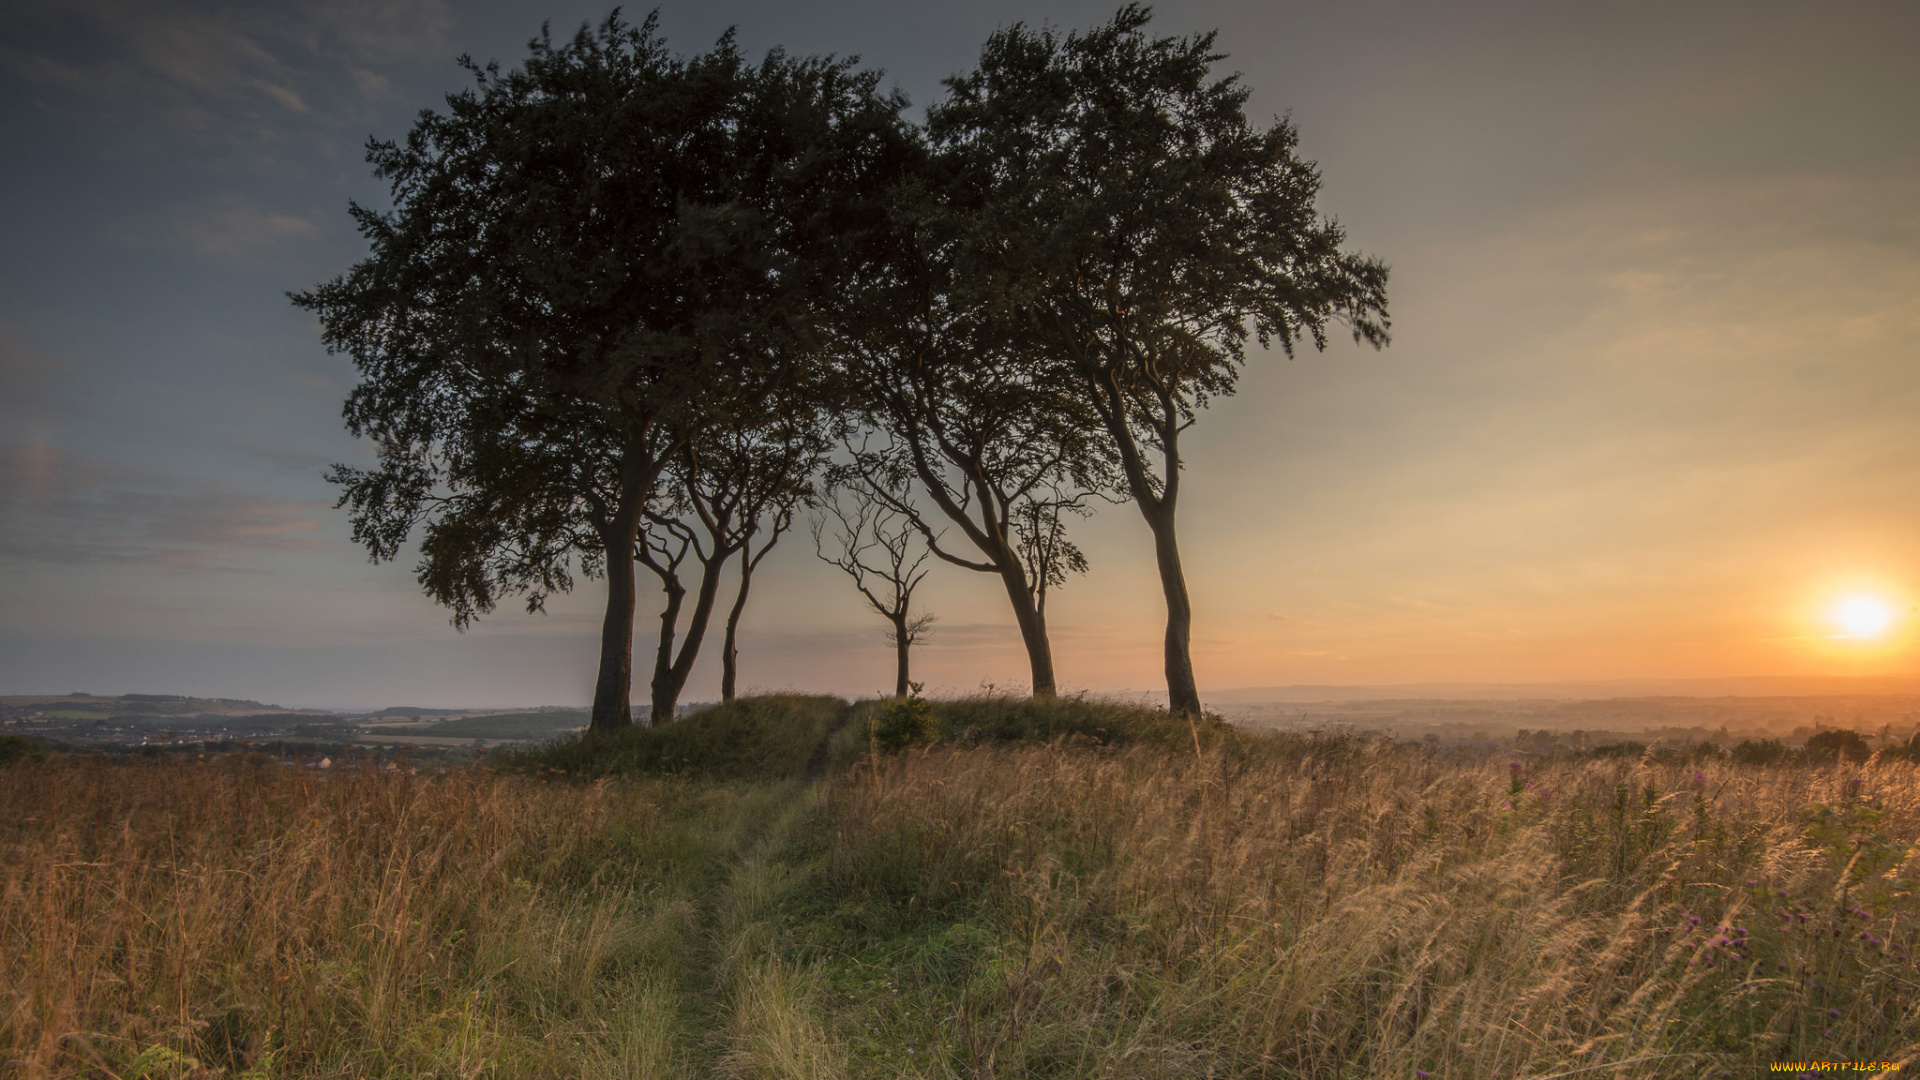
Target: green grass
column 767, row 738
column 521, row 725
column 1002, row 719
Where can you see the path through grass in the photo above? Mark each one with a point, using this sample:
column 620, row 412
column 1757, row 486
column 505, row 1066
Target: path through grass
column 1048, row 891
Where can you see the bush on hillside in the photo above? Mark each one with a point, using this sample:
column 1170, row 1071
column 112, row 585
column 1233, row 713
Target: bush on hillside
column 904, row 722
column 763, row 738
column 1906, row 751
column 1839, row 745
column 1627, row 749
column 1761, row 752
column 20, row 748
column 1010, row 719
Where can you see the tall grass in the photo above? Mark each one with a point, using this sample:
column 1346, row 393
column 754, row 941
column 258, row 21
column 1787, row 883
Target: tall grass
column 1344, row 908
column 1068, row 889
column 234, row 915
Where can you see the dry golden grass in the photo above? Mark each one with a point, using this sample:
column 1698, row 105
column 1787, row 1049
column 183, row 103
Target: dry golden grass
column 1213, row 905
column 287, row 921
column 1340, row 908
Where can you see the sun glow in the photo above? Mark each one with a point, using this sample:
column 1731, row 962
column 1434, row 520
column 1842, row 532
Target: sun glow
column 1862, row 616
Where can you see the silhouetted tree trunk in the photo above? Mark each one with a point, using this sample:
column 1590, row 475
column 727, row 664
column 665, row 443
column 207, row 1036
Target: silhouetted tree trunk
column 730, row 652
column 670, row 678
column 902, row 642
column 613, row 687
column 749, row 562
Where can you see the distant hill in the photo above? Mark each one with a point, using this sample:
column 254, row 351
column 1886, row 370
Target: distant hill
column 1738, row 686
column 528, row 726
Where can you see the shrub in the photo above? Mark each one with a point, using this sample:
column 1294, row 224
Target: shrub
column 21, row 748
column 1906, row 751
column 765, row 738
column 1009, row 719
column 1839, row 745
column 904, row 722
column 1628, row 749
column 1761, row 752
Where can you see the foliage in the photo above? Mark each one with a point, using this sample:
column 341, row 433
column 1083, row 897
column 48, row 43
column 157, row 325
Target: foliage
column 763, row 738
column 1906, row 751
column 992, row 718
column 20, row 748
column 904, row 722
column 1139, row 229
column 591, row 258
column 1825, row 747
column 1760, row 752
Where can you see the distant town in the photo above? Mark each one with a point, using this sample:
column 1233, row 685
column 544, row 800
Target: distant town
column 162, row 724
column 158, row 723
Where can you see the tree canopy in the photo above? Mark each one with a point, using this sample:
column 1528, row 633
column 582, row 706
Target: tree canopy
column 1141, row 229
column 589, row 258
column 623, row 298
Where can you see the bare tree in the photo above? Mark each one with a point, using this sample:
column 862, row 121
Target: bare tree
column 874, row 544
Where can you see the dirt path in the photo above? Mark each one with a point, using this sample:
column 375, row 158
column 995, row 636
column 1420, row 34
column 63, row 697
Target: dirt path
column 733, row 1007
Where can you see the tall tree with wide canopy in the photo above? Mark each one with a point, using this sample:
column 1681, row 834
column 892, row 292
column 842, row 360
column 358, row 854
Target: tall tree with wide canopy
column 588, row 258
column 1142, row 229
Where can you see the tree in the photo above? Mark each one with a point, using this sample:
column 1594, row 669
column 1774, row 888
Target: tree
column 588, row 258
column 728, row 482
column 873, row 544
column 963, row 411
column 1142, row 229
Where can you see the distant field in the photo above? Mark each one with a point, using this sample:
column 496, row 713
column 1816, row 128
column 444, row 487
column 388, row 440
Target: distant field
column 1054, row 889
column 527, row 726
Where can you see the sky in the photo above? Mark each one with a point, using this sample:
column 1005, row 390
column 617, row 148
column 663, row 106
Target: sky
column 1648, row 413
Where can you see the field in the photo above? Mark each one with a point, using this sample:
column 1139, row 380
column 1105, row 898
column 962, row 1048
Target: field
column 1048, row 890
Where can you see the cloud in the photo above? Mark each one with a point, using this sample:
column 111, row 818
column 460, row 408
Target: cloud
column 227, row 229
column 28, row 384
column 58, row 508
column 218, row 71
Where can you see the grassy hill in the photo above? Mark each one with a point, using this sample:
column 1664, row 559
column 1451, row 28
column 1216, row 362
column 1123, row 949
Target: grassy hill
column 1025, row 889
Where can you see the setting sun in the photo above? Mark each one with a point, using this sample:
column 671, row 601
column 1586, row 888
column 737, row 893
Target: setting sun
column 1862, row 616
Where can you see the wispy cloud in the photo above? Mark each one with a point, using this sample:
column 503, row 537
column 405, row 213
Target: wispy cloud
column 63, row 509
column 214, row 70
column 227, row 229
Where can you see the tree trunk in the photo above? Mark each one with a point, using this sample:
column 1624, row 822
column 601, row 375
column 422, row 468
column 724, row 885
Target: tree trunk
column 730, row 654
column 663, row 656
column 611, row 708
column 1157, row 507
column 1033, row 628
column 613, row 688
column 670, row 679
column 901, row 643
column 1183, row 694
